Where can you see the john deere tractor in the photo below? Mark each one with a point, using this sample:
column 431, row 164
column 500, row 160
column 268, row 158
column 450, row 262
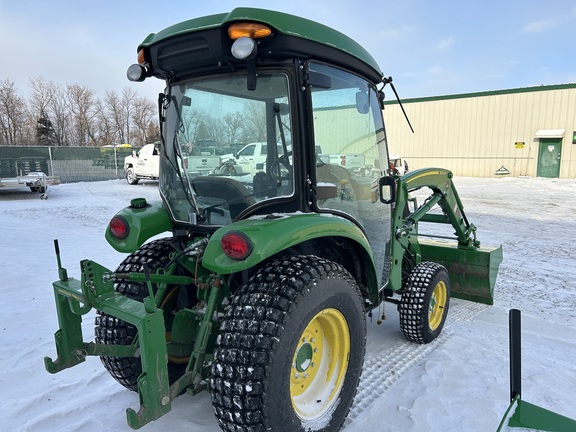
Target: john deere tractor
column 256, row 286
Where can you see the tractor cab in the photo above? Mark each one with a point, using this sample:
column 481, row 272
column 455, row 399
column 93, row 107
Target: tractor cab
column 251, row 81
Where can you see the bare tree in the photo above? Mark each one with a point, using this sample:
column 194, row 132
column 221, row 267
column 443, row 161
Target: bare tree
column 105, row 124
column 120, row 109
column 81, row 102
column 60, row 117
column 72, row 115
column 214, row 128
column 192, row 127
column 143, row 113
column 40, row 104
column 233, row 124
column 115, row 113
column 255, row 125
column 128, row 99
column 43, row 93
column 12, row 114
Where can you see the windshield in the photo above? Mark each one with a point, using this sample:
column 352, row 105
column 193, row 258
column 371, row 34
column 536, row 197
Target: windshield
column 226, row 148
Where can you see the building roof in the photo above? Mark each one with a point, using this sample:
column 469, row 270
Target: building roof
column 486, row 93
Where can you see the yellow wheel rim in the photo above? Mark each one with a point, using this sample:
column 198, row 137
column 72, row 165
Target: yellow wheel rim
column 319, row 364
column 437, row 305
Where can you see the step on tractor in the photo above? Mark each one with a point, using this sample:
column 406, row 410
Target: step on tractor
column 257, row 286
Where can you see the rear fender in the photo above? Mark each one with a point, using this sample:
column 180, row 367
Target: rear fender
column 145, row 221
column 271, row 236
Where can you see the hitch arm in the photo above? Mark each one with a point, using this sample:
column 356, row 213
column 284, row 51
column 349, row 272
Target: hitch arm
column 96, row 289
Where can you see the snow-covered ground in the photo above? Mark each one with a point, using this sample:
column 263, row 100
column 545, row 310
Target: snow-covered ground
column 457, row 383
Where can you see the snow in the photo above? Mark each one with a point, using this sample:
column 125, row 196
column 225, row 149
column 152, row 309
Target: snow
column 459, row 382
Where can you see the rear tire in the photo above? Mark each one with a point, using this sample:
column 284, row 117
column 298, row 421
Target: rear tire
column 290, row 350
column 227, row 170
column 424, row 306
column 131, row 176
column 114, row 331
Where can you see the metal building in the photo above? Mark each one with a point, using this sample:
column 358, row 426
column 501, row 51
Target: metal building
column 519, row 132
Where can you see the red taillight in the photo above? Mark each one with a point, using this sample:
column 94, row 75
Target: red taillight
column 119, row 227
column 236, row 245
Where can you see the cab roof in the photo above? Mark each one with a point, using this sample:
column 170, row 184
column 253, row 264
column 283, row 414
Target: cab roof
column 286, row 24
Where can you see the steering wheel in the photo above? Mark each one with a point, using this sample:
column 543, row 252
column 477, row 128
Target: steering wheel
column 276, row 168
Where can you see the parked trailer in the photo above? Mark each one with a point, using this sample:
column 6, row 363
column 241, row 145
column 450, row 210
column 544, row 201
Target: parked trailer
column 27, row 172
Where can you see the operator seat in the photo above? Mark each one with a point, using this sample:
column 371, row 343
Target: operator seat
column 337, row 175
column 224, row 189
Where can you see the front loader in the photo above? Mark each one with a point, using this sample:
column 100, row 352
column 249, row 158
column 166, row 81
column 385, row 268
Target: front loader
column 256, row 286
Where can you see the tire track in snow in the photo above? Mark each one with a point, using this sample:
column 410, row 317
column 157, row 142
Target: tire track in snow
column 384, row 367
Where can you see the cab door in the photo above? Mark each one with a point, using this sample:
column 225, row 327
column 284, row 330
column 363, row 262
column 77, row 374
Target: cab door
column 348, row 121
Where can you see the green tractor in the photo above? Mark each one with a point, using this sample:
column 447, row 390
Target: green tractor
column 256, row 286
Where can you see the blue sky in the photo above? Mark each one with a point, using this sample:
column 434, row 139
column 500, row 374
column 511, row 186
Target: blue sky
column 430, row 48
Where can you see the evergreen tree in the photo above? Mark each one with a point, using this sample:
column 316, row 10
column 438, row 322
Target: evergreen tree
column 45, row 133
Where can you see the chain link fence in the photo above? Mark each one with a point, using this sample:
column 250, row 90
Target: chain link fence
column 71, row 164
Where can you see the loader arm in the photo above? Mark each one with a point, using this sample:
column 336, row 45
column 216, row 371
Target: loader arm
column 472, row 268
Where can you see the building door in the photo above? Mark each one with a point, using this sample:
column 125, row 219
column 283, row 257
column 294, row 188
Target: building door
column 549, row 157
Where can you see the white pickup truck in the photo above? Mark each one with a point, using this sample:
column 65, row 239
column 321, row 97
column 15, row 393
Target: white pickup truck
column 349, row 161
column 248, row 160
column 252, row 157
column 202, row 165
column 145, row 164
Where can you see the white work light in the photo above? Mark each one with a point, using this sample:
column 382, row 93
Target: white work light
column 244, row 48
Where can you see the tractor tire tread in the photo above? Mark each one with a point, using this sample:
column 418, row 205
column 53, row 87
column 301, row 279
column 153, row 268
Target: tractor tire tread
column 258, row 312
column 114, row 331
column 412, row 304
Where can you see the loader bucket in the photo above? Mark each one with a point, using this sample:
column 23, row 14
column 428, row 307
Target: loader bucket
column 472, row 270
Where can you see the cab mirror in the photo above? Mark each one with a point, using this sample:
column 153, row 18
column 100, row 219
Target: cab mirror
column 387, row 187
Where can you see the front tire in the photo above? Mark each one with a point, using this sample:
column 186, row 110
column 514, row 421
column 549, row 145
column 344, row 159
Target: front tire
column 290, row 350
column 424, row 306
column 131, row 177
